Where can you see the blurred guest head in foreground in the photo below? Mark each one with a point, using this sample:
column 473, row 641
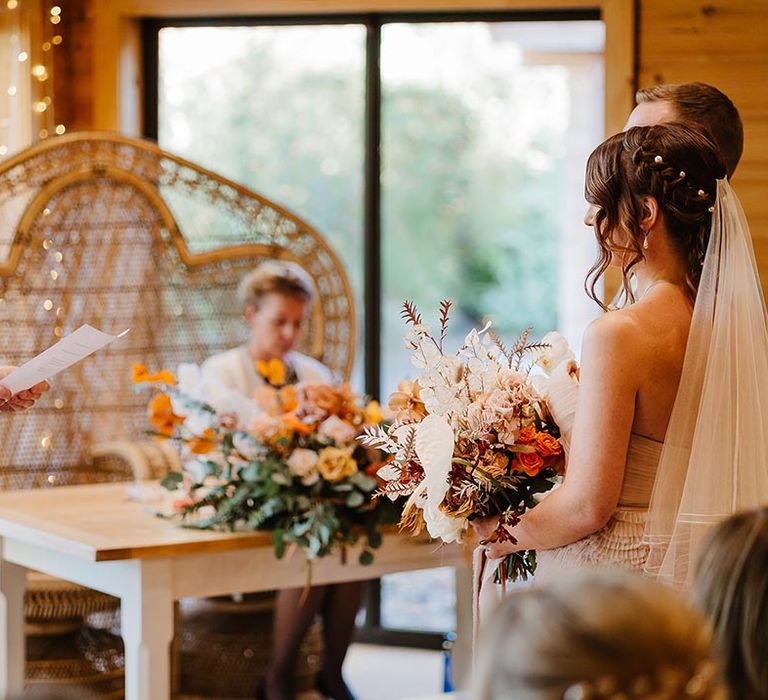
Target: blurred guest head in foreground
column 732, row 589
column 597, row 634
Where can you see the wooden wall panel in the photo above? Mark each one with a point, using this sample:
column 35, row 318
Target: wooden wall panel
column 74, row 80
column 725, row 44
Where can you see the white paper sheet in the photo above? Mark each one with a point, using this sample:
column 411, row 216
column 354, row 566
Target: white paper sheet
column 67, row 352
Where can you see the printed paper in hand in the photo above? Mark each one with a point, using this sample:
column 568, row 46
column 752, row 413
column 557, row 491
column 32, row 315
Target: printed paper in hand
column 67, row 352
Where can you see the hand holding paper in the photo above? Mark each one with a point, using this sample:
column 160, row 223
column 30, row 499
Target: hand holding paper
column 28, row 382
column 24, row 399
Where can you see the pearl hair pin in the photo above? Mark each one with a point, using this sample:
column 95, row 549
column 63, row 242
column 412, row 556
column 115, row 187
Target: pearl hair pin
column 658, row 159
column 682, row 173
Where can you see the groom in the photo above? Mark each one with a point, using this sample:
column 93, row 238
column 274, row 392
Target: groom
column 698, row 105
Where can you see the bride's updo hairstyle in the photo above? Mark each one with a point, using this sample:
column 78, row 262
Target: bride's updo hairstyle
column 677, row 166
column 596, row 635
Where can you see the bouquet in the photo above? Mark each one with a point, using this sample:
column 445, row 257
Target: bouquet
column 285, row 460
column 473, row 436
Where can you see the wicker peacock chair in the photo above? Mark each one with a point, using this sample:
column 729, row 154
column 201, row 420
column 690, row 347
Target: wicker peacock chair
column 111, row 231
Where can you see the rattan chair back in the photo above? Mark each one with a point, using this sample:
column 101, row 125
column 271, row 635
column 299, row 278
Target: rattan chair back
column 102, row 229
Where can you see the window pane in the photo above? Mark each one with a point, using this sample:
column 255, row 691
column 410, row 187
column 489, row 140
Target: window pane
column 424, row 601
column 280, row 110
column 486, row 128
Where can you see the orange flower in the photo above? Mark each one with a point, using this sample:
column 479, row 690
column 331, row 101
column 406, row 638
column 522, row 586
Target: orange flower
column 529, row 462
column 202, row 444
column 548, row 446
column 289, row 399
column 273, row 371
column 296, row 425
column 527, row 435
column 141, row 374
column 372, row 412
column 161, row 415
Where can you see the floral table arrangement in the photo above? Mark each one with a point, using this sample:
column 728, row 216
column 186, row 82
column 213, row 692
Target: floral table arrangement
column 286, row 460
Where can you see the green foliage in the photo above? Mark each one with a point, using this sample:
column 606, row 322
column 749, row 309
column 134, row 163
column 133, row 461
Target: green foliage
column 172, row 480
column 464, row 215
column 265, row 495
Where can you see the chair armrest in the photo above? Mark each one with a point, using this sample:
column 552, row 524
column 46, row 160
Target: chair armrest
column 144, row 460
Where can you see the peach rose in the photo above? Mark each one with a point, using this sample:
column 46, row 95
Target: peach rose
column 337, row 430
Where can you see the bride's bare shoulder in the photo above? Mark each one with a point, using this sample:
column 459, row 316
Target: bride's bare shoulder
column 614, row 327
column 614, row 338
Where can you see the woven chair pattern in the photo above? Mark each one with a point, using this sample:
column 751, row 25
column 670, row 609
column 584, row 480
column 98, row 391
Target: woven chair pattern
column 114, row 232
column 111, row 231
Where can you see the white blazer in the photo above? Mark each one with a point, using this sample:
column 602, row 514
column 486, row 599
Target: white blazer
column 236, row 369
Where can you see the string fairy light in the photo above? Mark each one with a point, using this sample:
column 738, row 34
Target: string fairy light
column 39, row 60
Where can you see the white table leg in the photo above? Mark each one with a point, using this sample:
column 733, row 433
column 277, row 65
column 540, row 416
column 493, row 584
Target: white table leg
column 146, row 616
column 13, row 581
column 462, row 647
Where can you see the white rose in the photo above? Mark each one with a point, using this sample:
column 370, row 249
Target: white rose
column 303, row 463
column 337, row 430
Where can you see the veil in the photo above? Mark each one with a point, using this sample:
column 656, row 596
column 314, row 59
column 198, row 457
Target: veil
column 715, row 456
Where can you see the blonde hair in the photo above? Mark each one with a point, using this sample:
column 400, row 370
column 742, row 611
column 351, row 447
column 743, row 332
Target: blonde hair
column 596, row 634
column 275, row 277
column 732, row 589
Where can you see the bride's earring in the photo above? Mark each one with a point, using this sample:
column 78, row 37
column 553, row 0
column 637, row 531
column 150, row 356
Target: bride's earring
column 645, row 241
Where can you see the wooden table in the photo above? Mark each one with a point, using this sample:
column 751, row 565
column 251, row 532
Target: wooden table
column 94, row 536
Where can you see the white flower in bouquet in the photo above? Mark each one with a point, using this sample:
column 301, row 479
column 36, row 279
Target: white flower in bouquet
column 303, row 463
column 559, row 384
column 553, row 356
column 434, row 448
column 338, row 431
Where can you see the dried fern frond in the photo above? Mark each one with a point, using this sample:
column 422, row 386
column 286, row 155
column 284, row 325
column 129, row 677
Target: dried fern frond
column 397, row 488
column 499, row 343
column 522, row 347
column 445, row 308
column 409, row 446
column 376, row 436
column 410, row 313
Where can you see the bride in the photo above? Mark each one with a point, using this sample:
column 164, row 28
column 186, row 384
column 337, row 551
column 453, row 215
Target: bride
column 669, row 434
